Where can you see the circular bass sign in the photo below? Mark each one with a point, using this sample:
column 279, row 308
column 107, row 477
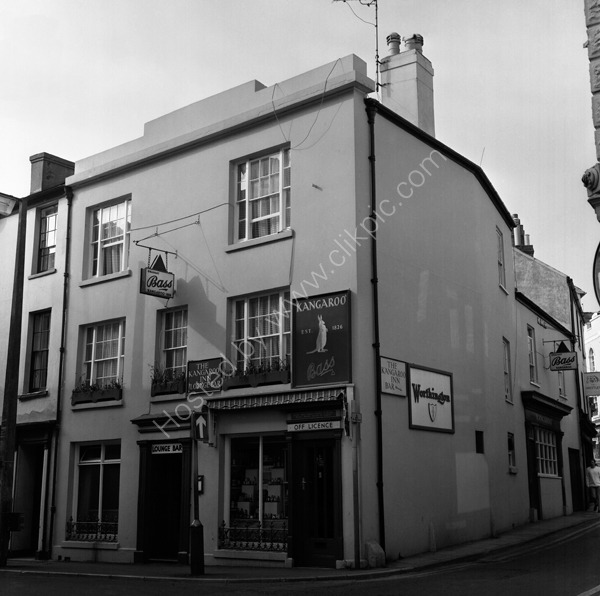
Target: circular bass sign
column 597, row 274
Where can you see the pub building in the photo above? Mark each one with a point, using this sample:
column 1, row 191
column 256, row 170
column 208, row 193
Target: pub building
column 275, row 324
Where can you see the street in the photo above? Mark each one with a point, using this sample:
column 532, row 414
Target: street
column 564, row 564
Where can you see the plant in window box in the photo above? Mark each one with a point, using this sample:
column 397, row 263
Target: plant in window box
column 88, row 392
column 264, row 373
column 166, row 381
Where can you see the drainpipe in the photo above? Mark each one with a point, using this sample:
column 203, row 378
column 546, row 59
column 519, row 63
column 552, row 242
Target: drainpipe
column 371, row 111
column 61, row 365
column 585, row 451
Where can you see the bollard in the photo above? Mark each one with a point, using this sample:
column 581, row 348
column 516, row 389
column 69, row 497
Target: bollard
column 197, row 548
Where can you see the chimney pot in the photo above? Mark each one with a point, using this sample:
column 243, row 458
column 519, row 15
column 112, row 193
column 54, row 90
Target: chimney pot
column 393, row 41
column 414, row 43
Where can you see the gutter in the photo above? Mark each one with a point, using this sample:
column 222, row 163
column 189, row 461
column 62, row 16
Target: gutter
column 61, row 366
column 372, row 108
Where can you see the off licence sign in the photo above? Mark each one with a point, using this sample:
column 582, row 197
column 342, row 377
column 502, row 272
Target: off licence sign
column 313, row 425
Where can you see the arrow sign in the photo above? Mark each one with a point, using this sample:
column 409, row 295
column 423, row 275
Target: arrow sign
column 201, row 430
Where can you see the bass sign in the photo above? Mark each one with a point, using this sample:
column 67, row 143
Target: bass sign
column 563, row 361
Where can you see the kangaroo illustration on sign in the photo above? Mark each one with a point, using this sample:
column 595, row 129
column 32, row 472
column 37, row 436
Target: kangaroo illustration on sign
column 321, row 337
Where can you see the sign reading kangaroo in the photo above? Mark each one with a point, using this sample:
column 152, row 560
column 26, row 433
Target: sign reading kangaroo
column 321, row 340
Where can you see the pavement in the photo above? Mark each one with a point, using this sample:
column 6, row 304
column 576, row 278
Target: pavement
column 528, row 537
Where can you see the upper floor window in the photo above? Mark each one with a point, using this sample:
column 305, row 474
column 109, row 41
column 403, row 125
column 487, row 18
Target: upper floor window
column 532, row 354
column 261, row 334
column 507, row 373
column 263, row 195
column 110, row 238
column 174, row 341
column 561, row 384
column 501, row 265
column 591, row 361
column 104, row 354
column 512, row 458
column 46, row 240
column 40, row 341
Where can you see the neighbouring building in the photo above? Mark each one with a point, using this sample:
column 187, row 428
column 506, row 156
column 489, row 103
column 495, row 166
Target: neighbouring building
column 296, row 316
column 41, row 362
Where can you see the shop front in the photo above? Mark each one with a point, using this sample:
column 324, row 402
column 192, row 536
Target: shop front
column 545, row 465
column 282, row 477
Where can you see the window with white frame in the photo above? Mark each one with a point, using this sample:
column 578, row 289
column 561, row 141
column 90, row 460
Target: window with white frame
column 546, row 453
column 173, row 342
column 501, row 264
column 561, row 384
column 95, row 515
column 507, row 372
column 109, row 249
column 104, row 354
column 263, row 195
column 46, row 240
column 532, row 354
column 591, row 361
column 261, row 330
column 38, row 356
column 512, row 458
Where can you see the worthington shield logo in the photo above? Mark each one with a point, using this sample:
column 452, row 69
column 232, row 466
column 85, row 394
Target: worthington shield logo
column 432, row 411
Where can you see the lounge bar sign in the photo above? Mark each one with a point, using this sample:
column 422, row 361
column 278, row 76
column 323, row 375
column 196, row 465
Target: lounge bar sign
column 431, row 403
column 321, row 340
column 157, row 281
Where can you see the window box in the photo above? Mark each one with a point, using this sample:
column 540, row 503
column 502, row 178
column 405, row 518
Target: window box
column 167, row 387
column 254, row 379
column 165, row 381
column 88, row 395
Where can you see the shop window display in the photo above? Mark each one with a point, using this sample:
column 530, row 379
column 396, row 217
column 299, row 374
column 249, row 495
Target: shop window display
column 259, row 489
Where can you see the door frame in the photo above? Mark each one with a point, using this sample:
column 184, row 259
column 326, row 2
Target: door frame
column 141, row 554
column 336, row 552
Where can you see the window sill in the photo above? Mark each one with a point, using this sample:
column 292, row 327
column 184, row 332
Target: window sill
column 99, row 280
column 243, row 244
column 90, row 544
column 33, row 395
column 42, row 274
column 509, row 401
column 512, row 470
column 503, row 289
column 535, row 384
column 97, row 405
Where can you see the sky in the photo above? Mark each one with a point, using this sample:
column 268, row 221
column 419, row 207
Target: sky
column 511, row 85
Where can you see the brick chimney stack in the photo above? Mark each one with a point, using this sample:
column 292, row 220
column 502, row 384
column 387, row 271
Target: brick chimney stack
column 48, row 170
column 520, row 238
column 407, row 82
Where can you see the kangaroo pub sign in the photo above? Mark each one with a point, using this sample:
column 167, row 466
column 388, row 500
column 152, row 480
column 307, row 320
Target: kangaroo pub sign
column 321, row 340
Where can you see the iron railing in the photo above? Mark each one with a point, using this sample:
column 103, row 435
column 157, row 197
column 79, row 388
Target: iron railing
column 92, row 531
column 252, row 535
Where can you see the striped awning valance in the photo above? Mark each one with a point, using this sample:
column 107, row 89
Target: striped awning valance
column 335, row 394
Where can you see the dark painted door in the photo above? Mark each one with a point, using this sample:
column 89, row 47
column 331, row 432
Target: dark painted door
column 576, row 480
column 164, row 506
column 316, row 502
